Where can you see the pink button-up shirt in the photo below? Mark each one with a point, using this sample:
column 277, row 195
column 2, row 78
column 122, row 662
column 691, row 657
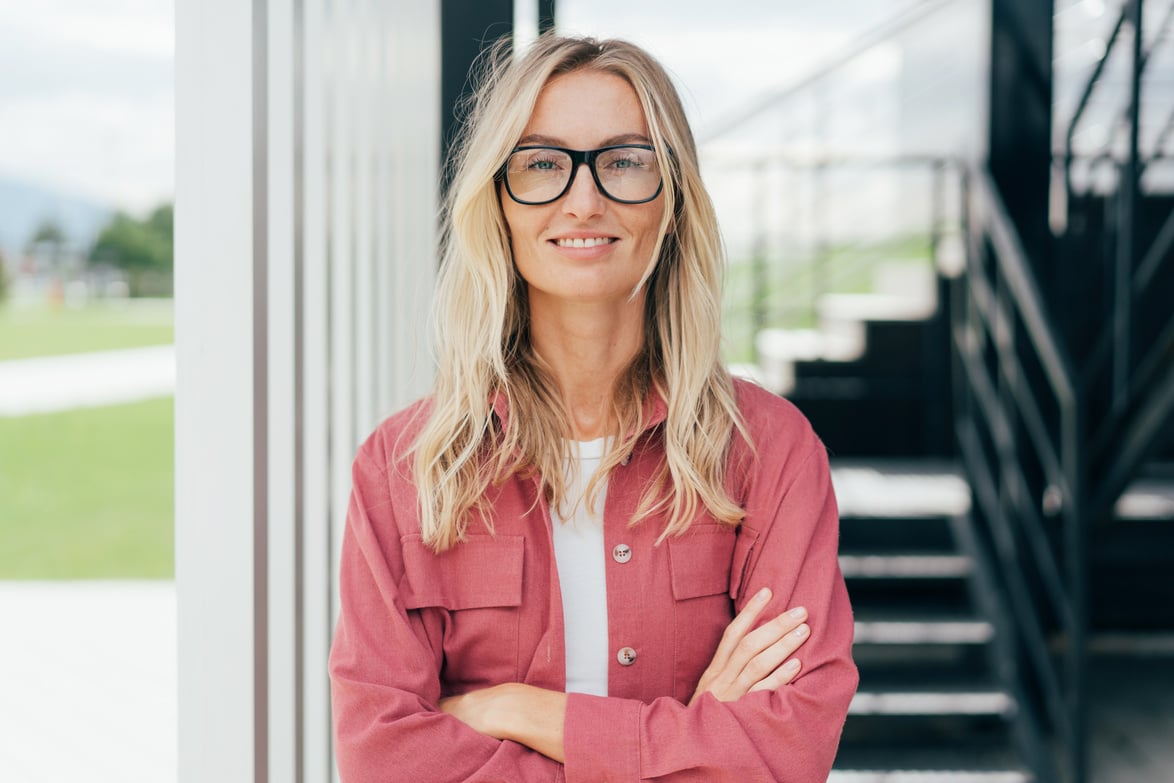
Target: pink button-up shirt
column 416, row 626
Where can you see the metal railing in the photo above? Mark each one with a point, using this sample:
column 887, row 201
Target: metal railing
column 1129, row 364
column 1019, row 429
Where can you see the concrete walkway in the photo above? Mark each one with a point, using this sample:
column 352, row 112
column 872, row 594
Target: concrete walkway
column 87, row 682
column 56, row 383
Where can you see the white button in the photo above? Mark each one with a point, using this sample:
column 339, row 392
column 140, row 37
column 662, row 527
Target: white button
column 626, row 656
column 621, row 553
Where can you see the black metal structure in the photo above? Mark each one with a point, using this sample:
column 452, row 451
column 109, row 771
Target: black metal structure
column 1066, row 385
column 467, row 28
column 1061, row 333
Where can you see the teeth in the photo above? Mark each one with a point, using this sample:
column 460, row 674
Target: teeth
column 581, row 242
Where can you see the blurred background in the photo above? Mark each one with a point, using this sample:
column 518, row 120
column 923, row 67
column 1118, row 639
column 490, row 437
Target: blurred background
column 949, row 233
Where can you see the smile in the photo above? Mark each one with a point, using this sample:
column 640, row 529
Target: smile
column 584, row 241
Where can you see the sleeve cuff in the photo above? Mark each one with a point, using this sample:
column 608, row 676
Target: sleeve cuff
column 601, row 739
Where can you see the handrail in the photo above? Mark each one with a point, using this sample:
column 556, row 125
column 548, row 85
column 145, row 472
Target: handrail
column 1004, row 301
column 1160, row 141
column 1090, row 86
column 1012, row 259
column 900, row 22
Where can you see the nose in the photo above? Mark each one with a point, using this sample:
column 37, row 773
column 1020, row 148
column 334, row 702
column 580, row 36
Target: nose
column 583, row 200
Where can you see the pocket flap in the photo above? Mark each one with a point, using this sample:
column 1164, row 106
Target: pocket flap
column 479, row 572
column 701, row 561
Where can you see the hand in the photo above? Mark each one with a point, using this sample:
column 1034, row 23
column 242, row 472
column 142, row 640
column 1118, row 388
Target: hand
column 483, row 710
column 753, row 660
column 514, row 711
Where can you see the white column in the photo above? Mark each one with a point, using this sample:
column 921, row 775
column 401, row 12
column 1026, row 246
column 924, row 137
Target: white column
column 301, row 244
column 216, row 489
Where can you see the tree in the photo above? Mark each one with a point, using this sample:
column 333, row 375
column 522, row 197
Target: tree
column 143, row 249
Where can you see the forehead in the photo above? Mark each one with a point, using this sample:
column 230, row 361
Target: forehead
column 585, row 109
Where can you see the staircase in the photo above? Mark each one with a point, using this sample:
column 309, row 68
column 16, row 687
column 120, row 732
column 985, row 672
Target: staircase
column 929, row 707
column 1040, row 366
column 872, row 377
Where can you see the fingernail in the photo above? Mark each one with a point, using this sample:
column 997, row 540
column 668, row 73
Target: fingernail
column 798, row 612
column 763, row 595
column 801, row 631
column 791, row 666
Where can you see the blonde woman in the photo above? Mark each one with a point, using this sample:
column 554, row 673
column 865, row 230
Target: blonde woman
column 590, row 554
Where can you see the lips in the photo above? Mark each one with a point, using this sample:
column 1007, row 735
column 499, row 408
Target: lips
column 583, row 241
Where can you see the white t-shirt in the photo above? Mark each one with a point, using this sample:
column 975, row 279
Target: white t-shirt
column 579, row 555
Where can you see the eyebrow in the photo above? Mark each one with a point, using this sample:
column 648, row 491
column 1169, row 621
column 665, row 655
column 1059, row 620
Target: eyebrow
column 550, row 141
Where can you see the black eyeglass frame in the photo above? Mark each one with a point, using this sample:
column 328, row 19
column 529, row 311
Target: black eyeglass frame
column 578, row 157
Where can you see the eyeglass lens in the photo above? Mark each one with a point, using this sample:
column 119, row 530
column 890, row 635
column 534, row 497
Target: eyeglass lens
column 540, row 174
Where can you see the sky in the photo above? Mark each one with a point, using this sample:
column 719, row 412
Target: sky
column 87, row 98
column 87, row 86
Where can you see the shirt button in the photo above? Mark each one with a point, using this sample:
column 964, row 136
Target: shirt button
column 626, row 656
column 621, row 553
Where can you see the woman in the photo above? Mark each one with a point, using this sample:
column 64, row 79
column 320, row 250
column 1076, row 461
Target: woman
column 543, row 561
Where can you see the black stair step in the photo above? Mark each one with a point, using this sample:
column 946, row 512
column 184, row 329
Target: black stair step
column 905, row 565
column 967, row 761
column 879, row 627
column 939, row 641
column 900, row 692
column 949, row 594
column 930, row 775
column 932, row 701
column 910, row 500
column 890, row 347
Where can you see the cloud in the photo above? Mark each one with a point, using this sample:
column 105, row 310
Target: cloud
column 87, row 104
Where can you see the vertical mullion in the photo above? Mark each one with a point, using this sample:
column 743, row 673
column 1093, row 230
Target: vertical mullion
column 283, row 738
column 314, row 31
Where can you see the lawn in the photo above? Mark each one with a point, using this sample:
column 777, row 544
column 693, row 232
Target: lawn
column 87, row 494
column 27, row 331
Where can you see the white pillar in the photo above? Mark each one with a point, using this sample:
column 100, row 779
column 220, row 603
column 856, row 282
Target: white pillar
column 300, row 308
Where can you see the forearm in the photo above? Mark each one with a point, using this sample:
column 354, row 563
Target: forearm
column 784, row 736
column 524, row 714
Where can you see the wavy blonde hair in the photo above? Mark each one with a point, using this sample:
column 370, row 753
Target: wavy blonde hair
column 481, row 319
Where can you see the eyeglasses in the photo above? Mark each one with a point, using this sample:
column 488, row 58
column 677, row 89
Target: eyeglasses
column 627, row 173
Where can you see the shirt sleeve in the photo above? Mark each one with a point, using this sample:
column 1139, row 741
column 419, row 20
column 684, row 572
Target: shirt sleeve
column 788, row 735
column 385, row 679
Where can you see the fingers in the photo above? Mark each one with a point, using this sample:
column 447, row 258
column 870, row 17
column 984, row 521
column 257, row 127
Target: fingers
column 779, row 677
column 738, row 628
column 755, row 659
column 771, row 632
column 774, row 666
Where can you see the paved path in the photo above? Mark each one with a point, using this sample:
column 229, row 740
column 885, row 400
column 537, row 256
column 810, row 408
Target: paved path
column 55, row 383
column 87, row 682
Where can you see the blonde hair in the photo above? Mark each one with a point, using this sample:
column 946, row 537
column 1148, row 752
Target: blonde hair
column 481, row 319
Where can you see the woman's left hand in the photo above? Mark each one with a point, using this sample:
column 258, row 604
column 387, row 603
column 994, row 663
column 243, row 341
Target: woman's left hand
column 514, row 711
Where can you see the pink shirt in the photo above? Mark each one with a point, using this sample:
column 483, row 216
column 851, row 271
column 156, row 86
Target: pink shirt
column 415, row 626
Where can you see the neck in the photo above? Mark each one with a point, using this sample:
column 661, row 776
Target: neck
column 587, row 346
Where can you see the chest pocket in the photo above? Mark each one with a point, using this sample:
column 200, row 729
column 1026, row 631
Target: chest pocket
column 475, row 591
column 700, row 562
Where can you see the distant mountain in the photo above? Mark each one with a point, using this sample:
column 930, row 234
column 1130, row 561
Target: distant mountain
column 24, row 205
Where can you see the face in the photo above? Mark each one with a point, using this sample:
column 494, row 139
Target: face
column 584, row 110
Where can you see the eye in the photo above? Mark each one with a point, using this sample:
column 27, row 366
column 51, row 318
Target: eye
column 540, row 161
column 628, row 160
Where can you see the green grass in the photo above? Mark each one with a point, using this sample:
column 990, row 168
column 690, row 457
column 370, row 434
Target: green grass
column 87, row 494
column 27, row 331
